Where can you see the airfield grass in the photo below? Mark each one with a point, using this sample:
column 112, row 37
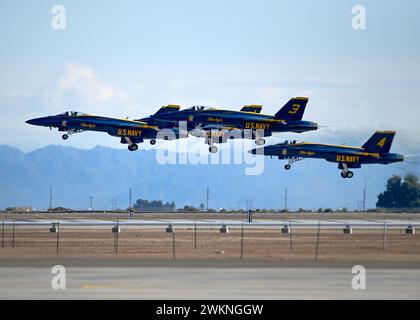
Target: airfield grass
column 262, row 244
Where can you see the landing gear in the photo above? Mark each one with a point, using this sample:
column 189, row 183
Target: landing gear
column 133, row 147
column 153, row 142
column 69, row 133
column 213, row 149
column 346, row 173
column 291, row 161
column 260, row 141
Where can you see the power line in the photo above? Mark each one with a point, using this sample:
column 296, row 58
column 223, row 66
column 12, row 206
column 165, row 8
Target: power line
column 207, row 199
column 51, row 194
column 285, row 199
column 364, row 197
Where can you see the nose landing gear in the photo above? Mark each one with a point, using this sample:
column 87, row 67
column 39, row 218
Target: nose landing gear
column 291, row 161
column 69, row 133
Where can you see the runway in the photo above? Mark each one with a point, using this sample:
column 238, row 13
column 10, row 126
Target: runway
column 214, row 281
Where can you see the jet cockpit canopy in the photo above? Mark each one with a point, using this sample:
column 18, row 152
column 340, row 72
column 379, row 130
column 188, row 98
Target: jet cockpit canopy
column 72, row 113
column 199, row 108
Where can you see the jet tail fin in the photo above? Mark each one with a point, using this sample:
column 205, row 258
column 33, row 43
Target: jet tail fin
column 252, row 108
column 293, row 109
column 380, row 142
column 169, row 108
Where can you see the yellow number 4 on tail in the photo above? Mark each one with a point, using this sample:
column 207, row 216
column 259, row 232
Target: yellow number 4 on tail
column 381, row 142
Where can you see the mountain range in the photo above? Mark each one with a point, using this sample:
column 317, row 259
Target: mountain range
column 107, row 174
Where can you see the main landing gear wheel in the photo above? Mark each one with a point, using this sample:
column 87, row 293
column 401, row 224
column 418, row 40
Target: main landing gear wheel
column 65, row 136
column 260, row 141
column 287, row 166
column 133, row 147
column 348, row 174
column 153, row 142
column 213, row 149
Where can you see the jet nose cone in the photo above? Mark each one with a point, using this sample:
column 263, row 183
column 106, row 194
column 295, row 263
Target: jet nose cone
column 34, row 122
column 258, row 151
column 44, row 121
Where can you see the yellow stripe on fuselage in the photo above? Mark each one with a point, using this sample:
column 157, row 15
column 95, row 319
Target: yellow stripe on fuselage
column 373, row 154
column 143, row 124
column 327, row 145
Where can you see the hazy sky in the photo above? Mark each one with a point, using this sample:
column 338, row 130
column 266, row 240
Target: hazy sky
column 128, row 58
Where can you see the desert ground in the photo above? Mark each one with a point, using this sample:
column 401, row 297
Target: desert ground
column 208, row 243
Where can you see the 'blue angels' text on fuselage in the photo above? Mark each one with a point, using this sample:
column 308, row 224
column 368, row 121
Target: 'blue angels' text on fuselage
column 375, row 150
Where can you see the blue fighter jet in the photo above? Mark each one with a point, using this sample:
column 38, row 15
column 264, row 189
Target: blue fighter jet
column 130, row 132
column 375, row 150
column 217, row 125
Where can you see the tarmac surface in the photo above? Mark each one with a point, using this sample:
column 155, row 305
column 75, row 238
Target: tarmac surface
column 390, row 274
column 133, row 279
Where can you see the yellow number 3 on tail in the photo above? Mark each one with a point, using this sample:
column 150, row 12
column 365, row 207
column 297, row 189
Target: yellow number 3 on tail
column 294, row 109
column 381, row 142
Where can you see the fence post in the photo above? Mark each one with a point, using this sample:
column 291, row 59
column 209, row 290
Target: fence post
column 116, row 236
column 58, row 235
column 384, row 240
column 242, row 241
column 13, row 235
column 173, row 245
column 290, row 236
column 317, row 240
column 2, row 236
column 195, row 234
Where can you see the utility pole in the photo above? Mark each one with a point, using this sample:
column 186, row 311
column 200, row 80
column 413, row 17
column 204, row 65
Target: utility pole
column 130, row 200
column 207, row 199
column 364, row 197
column 248, row 205
column 91, row 201
column 285, row 199
column 50, row 198
column 114, row 204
